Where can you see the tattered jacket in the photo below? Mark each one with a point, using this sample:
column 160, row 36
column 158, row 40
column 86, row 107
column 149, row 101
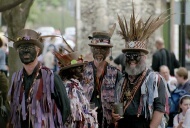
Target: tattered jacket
column 42, row 110
column 149, row 91
column 107, row 88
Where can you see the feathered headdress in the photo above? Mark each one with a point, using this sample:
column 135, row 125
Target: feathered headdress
column 136, row 32
column 70, row 60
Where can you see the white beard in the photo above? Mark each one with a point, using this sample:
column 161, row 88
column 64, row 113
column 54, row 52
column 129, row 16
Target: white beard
column 99, row 60
column 140, row 67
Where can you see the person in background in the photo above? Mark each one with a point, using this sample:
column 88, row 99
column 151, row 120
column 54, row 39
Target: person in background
column 164, row 57
column 37, row 96
column 141, row 90
column 100, row 78
column 3, row 66
column 49, row 59
column 120, row 60
column 71, row 72
column 4, row 105
column 182, row 79
column 186, row 122
column 170, row 87
column 171, row 80
column 184, row 105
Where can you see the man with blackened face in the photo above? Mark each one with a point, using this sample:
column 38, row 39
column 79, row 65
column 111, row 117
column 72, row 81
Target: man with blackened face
column 100, row 78
column 28, row 53
column 100, row 54
column 31, row 83
column 71, row 72
column 141, row 91
column 135, row 62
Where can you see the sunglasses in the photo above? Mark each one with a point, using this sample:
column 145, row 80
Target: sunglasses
column 100, row 40
column 133, row 56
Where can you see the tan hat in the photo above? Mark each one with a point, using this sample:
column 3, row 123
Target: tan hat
column 73, row 59
column 135, row 46
column 136, row 32
column 102, row 38
column 28, row 36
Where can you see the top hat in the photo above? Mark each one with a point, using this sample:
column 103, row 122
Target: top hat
column 136, row 32
column 102, row 38
column 73, row 59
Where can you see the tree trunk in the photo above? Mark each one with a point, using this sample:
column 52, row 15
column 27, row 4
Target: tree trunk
column 8, row 4
column 15, row 20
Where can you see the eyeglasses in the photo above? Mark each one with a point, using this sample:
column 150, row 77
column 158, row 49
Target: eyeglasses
column 100, row 40
column 133, row 56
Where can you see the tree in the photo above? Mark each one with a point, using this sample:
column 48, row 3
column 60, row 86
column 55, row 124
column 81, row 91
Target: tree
column 15, row 19
column 8, row 4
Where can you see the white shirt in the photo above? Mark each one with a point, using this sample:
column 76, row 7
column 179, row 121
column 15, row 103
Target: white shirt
column 172, row 82
column 49, row 60
column 177, row 119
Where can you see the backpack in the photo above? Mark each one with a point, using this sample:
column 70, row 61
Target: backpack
column 174, row 99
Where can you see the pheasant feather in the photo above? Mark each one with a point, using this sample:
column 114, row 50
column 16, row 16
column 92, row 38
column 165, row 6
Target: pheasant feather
column 137, row 30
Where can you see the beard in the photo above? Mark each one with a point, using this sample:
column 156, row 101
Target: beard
column 139, row 68
column 99, row 59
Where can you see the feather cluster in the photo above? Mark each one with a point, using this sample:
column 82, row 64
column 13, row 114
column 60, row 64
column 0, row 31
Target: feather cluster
column 62, row 58
column 138, row 30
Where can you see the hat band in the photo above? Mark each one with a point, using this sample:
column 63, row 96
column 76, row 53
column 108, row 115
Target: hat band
column 74, row 61
column 100, row 41
column 24, row 38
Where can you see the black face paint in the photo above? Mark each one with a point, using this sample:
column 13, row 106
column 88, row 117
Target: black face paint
column 78, row 72
column 27, row 53
column 133, row 56
column 99, row 53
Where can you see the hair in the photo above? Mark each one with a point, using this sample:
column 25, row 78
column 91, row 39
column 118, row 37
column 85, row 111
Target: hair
column 182, row 72
column 1, row 42
column 159, row 40
column 164, row 66
column 66, row 74
column 185, row 97
column 140, row 67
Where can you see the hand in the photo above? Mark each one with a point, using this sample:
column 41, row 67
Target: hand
column 180, row 124
column 116, row 117
column 94, row 114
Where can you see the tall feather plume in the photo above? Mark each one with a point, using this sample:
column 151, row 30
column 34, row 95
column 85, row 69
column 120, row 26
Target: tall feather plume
column 111, row 30
column 123, row 31
column 67, row 44
column 137, row 30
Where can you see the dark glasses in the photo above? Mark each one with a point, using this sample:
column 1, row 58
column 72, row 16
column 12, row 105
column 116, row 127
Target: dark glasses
column 100, row 40
column 133, row 56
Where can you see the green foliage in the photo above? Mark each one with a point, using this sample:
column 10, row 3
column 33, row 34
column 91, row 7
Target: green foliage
column 52, row 3
column 50, row 13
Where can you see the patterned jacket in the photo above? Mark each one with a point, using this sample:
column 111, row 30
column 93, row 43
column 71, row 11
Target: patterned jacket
column 149, row 91
column 109, row 82
column 42, row 110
